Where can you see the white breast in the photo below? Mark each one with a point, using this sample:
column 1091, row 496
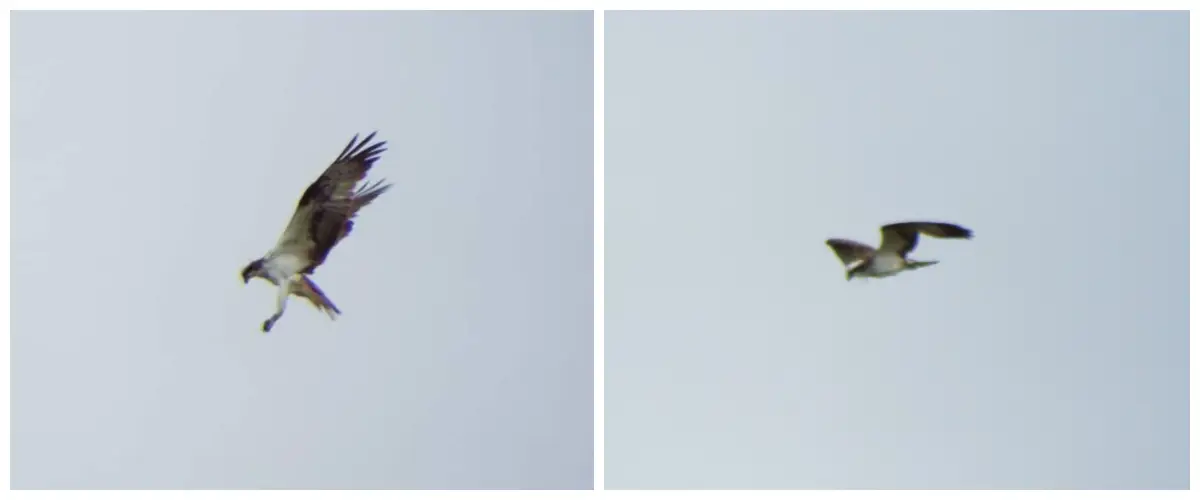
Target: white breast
column 283, row 266
column 886, row 264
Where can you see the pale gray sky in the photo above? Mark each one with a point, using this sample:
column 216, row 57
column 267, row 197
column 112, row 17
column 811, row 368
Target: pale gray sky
column 155, row 154
column 1049, row 352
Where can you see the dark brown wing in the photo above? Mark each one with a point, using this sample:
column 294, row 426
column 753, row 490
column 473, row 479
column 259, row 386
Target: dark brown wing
column 338, row 200
column 331, row 191
column 338, row 181
column 902, row 237
column 850, row 251
column 361, row 198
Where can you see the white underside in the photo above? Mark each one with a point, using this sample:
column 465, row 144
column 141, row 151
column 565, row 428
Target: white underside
column 885, row 265
column 282, row 267
column 882, row 266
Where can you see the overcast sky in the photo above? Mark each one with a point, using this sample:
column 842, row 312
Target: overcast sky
column 156, row 154
column 1049, row 352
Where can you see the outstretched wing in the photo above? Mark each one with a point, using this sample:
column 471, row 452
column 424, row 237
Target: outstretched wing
column 902, row 237
column 324, row 212
column 306, row 289
column 337, row 222
column 850, row 251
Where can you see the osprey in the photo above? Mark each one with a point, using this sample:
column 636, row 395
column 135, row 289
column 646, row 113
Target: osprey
column 891, row 257
column 324, row 215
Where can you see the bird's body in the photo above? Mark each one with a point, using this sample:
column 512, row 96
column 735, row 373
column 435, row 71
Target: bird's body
column 280, row 266
column 885, row 265
column 891, row 257
column 323, row 217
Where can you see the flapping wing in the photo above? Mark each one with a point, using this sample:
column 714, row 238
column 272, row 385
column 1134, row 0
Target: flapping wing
column 340, row 219
column 306, row 289
column 330, row 226
column 850, row 251
column 350, row 167
column 902, row 237
column 324, row 212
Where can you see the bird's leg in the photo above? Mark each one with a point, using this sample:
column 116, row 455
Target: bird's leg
column 281, row 304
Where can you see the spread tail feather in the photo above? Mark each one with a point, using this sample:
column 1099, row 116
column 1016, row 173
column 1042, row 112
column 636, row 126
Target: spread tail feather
column 305, row 287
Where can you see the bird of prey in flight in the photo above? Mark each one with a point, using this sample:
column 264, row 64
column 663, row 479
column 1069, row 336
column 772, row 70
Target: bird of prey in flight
column 891, row 257
column 324, row 215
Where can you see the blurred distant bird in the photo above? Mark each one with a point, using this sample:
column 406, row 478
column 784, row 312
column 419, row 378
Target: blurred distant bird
column 891, row 258
column 322, row 218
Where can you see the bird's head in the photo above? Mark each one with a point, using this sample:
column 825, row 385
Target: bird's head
column 251, row 270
